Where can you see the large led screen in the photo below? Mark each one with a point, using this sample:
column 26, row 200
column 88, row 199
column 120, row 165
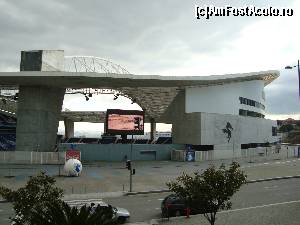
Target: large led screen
column 124, row 121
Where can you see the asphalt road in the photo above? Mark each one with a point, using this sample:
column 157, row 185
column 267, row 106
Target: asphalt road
column 251, row 196
column 271, row 194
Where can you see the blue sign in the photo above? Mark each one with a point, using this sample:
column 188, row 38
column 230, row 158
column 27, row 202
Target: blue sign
column 189, row 153
column 190, row 156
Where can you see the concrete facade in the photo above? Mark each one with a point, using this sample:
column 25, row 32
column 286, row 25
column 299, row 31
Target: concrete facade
column 39, row 106
column 209, row 116
column 38, row 117
column 224, row 99
column 186, row 127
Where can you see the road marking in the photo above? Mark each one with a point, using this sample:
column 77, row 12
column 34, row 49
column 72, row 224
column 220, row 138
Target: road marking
column 288, row 161
column 160, row 199
column 260, row 206
column 269, row 187
column 266, row 163
column 157, row 208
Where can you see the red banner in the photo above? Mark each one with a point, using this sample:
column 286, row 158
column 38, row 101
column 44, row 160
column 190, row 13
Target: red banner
column 72, row 154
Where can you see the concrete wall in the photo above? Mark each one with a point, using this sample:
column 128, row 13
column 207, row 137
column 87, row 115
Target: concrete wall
column 224, row 99
column 117, row 152
column 38, row 112
column 186, row 127
column 245, row 130
column 39, row 107
column 200, row 128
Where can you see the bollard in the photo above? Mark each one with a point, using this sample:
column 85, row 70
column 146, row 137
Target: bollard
column 188, row 212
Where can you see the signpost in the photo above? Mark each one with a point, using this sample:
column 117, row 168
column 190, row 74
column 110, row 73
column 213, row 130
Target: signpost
column 125, row 122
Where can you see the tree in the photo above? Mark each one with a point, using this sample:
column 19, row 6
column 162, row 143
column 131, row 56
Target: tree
column 286, row 128
column 39, row 192
column 60, row 213
column 210, row 191
column 40, row 202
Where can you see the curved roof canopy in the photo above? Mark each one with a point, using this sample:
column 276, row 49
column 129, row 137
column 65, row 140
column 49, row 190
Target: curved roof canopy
column 153, row 93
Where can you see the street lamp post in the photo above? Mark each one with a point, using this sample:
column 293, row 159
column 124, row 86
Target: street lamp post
column 298, row 67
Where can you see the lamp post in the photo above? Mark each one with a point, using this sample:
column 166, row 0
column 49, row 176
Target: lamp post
column 298, row 67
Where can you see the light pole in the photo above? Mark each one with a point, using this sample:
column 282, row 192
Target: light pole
column 298, row 67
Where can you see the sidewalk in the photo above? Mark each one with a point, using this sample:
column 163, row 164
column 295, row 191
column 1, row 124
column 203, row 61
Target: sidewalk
column 101, row 179
column 284, row 214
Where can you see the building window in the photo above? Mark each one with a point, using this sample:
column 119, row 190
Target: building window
column 251, row 102
column 243, row 112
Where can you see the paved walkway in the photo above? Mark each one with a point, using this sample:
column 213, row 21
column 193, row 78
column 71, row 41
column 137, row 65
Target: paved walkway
column 112, row 179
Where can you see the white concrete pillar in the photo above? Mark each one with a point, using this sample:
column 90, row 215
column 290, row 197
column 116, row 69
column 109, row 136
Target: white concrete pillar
column 153, row 129
column 69, row 128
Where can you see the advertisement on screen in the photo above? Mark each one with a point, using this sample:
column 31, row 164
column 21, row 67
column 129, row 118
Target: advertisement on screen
column 125, row 122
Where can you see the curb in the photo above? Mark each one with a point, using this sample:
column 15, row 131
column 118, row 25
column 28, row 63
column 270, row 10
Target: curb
column 272, row 178
column 248, row 182
column 93, row 196
column 146, row 192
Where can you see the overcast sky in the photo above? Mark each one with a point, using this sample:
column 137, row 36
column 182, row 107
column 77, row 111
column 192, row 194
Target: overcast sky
column 158, row 37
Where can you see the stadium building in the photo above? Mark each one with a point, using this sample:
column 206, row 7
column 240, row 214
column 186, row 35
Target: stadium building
column 220, row 114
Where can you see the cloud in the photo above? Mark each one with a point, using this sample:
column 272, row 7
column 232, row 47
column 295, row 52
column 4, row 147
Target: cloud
column 282, row 96
column 155, row 37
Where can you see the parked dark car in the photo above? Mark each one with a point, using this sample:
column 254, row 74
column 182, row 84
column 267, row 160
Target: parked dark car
column 172, row 205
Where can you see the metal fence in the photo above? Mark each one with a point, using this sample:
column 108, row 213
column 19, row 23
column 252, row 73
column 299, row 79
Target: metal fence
column 24, row 157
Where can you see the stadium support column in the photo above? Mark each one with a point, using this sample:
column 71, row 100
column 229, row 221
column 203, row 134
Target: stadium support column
column 39, row 110
column 69, row 128
column 39, row 107
column 153, row 129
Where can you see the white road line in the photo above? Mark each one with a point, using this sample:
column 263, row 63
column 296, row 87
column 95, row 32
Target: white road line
column 260, row 206
column 157, row 208
column 268, row 187
column 266, row 163
column 288, row 161
column 160, row 199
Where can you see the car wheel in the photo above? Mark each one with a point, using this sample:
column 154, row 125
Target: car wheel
column 122, row 219
column 177, row 213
